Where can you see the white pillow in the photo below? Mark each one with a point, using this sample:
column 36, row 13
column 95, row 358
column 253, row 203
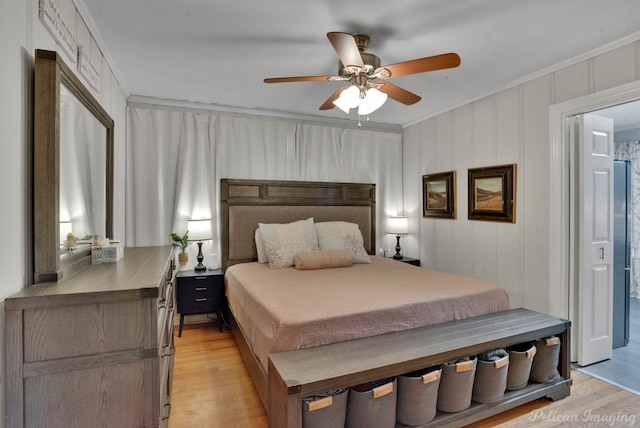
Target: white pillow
column 262, row 252
column 342, row 235
column 283, row 241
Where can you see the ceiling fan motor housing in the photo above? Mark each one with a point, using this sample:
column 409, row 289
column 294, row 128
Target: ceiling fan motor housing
column 371, row 62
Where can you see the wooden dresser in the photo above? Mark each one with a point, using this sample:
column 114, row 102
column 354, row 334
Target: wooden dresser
column 95, row 349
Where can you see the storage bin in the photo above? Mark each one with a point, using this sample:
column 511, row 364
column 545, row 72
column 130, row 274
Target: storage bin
column 327, row 410
column 520, row 360
column 417, row 396
column 456, row 385
column 373, row 405
column 491, row 376
column 544, row 368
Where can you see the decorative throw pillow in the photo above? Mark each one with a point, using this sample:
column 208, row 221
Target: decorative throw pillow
column 322, row 259
column 283, row 241
column 342, row 235
column 262, row 252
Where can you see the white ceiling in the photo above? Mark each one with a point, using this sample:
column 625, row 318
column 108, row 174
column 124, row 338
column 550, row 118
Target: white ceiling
column 625, row 116
column 218, row 51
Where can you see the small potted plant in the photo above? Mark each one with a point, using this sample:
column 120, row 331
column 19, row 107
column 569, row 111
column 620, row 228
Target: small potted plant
column 181, row 242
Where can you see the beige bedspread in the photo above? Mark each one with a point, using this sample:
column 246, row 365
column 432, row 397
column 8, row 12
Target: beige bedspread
column 284, row 309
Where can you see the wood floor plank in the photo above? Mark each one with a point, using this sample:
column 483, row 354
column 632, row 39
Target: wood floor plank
column 212, row 388
column 211, row 385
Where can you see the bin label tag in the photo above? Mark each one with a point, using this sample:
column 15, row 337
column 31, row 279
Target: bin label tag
column 431, row 376
column 553, row 341
column 320, row 403
column 501, row 362
column 532, row 352
column 465, row 366
column 382, row 390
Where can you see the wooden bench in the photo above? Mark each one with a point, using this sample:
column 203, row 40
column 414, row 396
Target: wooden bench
column 293, row 375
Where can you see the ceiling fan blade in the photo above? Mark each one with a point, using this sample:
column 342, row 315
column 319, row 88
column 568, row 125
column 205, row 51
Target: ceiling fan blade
column 346, row 48
column 298, row 79
column 397, row 93
column 328, row 105
column 421, row 65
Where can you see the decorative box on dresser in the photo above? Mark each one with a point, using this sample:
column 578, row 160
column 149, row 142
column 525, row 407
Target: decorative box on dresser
column 95, row 349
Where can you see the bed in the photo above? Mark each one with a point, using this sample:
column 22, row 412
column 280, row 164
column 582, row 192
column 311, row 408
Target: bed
column 278, row 310
column 285, row 309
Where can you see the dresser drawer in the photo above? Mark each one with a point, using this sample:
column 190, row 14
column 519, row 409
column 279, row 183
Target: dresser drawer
column 165, row 310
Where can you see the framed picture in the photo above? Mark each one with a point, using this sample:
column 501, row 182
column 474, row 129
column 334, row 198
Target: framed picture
column 492, row 193
column 439, row 195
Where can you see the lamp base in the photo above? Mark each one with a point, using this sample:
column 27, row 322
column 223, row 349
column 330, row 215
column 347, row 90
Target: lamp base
column 397, row 255
column 200, row 258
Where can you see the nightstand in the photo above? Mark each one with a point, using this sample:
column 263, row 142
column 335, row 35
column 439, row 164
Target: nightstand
column 200, row 292
column 409, row 260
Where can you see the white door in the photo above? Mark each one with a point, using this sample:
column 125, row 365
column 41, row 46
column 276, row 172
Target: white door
column 594, row 299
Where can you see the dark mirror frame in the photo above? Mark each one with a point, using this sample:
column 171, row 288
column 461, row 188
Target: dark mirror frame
column 49, row 73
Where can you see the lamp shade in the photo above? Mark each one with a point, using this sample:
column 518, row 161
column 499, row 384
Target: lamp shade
column 372, row 102
column 348, row 99
column 398, row 225
column 367, row 101
column 200, row 230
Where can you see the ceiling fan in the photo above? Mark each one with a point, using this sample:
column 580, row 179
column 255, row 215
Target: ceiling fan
column 368, row 87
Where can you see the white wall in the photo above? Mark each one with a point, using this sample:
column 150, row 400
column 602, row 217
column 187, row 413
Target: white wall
column 511, row 126
column 20, row 34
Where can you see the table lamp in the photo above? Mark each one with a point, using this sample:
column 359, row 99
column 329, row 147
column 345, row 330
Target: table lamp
column 398, row 226
column 200, row 230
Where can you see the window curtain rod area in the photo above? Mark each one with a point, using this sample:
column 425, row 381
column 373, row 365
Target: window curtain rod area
column 157, row 104
column 176, row 158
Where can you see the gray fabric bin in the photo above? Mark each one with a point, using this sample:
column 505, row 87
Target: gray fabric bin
column 373, row 405
column 491, row 376
column 520, row 360
column 456, row 385
column 325, row 410
column 544, row 368
column 417, row 396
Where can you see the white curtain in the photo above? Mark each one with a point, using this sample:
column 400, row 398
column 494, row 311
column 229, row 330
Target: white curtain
column 176, row 158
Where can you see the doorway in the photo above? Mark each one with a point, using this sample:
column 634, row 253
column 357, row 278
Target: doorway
column 622, row 369
column 562, row 263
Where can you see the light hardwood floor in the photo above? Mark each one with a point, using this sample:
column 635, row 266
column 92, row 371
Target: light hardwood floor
column 212, row 388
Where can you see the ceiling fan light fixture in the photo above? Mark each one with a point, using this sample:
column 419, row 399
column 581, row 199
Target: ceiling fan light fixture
column 364, row 72
column 371, row 102
column 348, row 99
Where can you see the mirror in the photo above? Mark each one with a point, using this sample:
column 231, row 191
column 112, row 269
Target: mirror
column 83, row 170
column 72, row 169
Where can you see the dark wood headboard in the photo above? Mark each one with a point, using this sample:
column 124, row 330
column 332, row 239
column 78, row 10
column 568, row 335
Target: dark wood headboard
column 245, row 203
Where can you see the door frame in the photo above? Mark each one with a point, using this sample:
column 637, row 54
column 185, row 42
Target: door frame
column 562, row 262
